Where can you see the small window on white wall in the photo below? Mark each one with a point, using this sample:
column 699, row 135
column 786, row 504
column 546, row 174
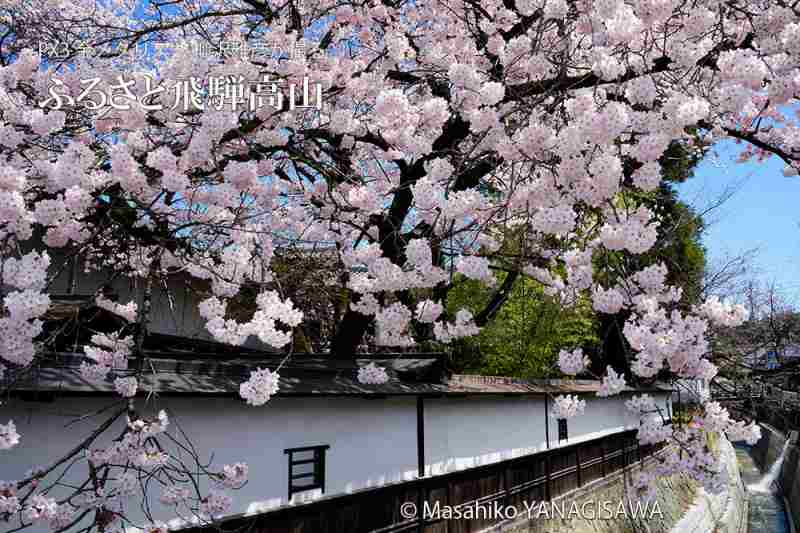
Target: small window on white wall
column 562, row 429
column 306, row 468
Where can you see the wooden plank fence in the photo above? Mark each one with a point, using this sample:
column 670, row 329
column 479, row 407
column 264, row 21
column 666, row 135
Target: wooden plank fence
column 538, row 477
column 765, row 403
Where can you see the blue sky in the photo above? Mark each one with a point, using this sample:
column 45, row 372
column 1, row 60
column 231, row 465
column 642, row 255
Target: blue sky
column 762, row 212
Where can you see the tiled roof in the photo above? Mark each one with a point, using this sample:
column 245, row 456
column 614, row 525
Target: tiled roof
column 464, row 383
column 300, row 375
column 178, row 365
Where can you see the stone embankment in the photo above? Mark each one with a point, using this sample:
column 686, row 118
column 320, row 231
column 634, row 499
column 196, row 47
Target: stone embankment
column 679, row 507
column 719, row 513
column 767, row 451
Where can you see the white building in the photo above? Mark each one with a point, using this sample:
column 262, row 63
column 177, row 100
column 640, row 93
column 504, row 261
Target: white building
column 419, row 423
column 349, row 437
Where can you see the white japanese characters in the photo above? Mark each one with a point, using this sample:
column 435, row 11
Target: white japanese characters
column 228, row 92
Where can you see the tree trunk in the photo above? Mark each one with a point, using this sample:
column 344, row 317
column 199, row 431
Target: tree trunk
column 349, row 335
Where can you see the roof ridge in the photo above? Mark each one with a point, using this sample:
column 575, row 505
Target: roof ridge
column 479, row 378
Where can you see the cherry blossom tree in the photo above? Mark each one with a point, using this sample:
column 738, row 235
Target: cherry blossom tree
column 444, row 124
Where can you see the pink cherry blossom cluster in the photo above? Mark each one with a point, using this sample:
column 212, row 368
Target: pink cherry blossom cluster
column 692, row 455
column 716, row 418
column 476, row 268
column 612, row 383
column 257, row 390
column 9, row 501
column 126, row 311
column 652, row 429
column 428, row 311
column 271, row 311
column 572, row 363
column 215, row 503
column 640, row 405
column 608, row 301
column 45, row 509
column 578, row 265
column 122, row 466
column 234, row 476
column 384, row 275
column 371, row 374
column 675, row 340
column 135, row 447
column 723, row 313
column 23, row 306
column 392, row 325
column 568, row 406
column 433, row 137
column 464, row 326
column 635, row 233
column 126, row 387
column 366, row 305
column 112, row 354
column 8, row 435
column 150, row 427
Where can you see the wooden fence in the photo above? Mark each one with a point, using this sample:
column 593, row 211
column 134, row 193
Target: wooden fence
column 764, row 403
column 784, row 419
column 532, row 478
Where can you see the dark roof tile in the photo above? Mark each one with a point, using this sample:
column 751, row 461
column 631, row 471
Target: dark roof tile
column 299, row 375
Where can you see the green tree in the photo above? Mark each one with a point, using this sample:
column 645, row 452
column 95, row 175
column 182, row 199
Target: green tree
column 678, row 247
column 524, row 338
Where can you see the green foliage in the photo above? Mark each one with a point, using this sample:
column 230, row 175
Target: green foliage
column 679, row 160
column 678, row 246
column 524, row 339
column 679, row 235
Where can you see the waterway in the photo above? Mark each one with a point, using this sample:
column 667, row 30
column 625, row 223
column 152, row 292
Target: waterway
column 767, row 510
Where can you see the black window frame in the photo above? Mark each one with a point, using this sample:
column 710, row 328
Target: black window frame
column 562, row 429
column 317, row 473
